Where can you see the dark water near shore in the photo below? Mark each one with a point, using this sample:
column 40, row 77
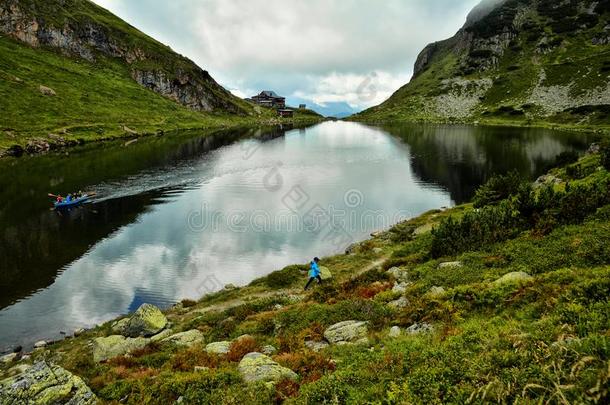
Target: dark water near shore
column 182, row 215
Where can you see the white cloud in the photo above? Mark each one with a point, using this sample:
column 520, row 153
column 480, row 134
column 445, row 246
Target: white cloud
column 358, row 90
column 314, row 49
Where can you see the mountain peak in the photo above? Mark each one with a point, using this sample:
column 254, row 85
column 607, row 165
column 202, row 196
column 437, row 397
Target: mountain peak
column 482, row 10
column 519, row 61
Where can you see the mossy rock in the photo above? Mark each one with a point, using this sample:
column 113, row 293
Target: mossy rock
column 148, row 320
column 218, row 347
column 257, row 367
column 347, row 332
column 45, row 384
column 514, row 277
column 186, row 339
column 105, row 348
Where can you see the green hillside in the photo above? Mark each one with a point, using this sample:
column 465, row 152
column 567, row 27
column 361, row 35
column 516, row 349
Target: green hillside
column 527, row 62
column 92, row 100
column 101, row 78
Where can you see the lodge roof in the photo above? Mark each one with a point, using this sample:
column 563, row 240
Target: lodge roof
column 270, row 93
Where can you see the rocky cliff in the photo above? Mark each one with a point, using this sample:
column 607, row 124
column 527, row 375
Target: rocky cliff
column 524, row 60
column 79, row 28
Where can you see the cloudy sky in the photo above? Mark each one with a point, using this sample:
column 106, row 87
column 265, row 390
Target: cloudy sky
column 318, row 51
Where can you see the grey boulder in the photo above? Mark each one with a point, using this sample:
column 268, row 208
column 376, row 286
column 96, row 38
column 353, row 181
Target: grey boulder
column 105, row 348
column 185, row 339
column 218, row 347
column 148, row 320
column 347, row 332
column 43, row 384
column 513, row 278
column 257, row 367
column 420, row 328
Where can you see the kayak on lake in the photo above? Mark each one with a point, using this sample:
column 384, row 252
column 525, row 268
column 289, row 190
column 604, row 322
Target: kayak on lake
column 70, row 200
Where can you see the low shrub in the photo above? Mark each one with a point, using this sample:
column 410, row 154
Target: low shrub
column 497, row 188
column 298, row 318
column 286, row 389
column 242, row 346
column 521, row 211
column 188, row 303
column 282, row 278
column 565, row 158
column 402, row 232
column 475, row 229
column 372, row 290
column 579, row 202
column 310, row 366
column 187, row 359
column 604, row 151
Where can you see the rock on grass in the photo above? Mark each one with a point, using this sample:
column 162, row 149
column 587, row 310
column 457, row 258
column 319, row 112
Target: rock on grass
column 185, row 339
column 347, row 332
column 257, row 367
column 148, row 320
column 105, row 348
column 218, row 347
column 45, row 384
column 515, row 277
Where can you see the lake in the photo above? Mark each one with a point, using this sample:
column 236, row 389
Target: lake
column 182, row 215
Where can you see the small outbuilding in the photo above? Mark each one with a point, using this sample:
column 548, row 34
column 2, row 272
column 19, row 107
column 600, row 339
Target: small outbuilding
column 285, row 113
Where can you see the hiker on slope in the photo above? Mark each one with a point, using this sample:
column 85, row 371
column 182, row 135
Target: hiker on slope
column 314, row 272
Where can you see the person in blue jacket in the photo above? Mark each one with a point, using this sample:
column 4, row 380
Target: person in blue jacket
column 314, row 272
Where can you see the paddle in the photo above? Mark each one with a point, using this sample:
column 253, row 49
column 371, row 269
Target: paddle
column 89, row 194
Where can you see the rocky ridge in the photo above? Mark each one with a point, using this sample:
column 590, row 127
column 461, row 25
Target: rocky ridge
column 513, row 60
column 84, row 35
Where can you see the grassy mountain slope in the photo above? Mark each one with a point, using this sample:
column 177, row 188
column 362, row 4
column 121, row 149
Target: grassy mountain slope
column 92, row 100
column 526, row 62
column 544, row 338
column 106, row 79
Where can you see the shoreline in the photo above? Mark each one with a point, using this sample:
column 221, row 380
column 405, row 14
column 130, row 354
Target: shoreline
column 398, row 303
column 29, row 349
column 490, row 123
column 59, row 144
column 69, row 334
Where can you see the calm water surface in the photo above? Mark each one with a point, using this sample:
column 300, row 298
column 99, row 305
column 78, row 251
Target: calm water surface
column 182, row 215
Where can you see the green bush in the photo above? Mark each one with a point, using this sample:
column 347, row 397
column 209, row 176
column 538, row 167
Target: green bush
column 604, row 150
column 581, row 201
column 521, row 211
column 301, row 317
column 497, row 188
column 566, row 158
column 283, row 278
column 475, row 229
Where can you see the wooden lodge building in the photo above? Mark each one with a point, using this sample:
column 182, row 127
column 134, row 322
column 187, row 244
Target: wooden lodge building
column 270, row 99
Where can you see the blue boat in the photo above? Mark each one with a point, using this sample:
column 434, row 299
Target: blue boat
column 72, row 203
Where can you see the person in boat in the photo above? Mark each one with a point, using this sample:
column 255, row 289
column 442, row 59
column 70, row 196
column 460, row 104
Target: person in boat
column 314, row 272
column 59, row 199
column 69, row 198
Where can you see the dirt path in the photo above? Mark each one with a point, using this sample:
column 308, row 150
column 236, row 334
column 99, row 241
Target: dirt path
column 277, row 293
